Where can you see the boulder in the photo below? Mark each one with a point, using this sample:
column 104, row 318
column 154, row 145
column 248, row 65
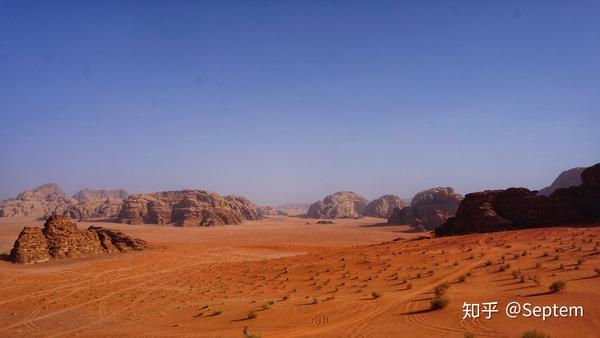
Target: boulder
column 520, row 208
column 384, row 206
column 186, row 208
column 343, row 204
column 428, row 209
column 60, row 238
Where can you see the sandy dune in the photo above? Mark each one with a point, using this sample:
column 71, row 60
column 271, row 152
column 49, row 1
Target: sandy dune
column 281, row 277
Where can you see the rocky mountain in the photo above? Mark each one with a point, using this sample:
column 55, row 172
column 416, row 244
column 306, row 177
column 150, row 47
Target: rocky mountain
column 519, row 208
column 428, row 208
column 294, row 208
column 186, row 208
column 343, row 204
column 384, row 206
column 60, row 238
column 37, row 202
column 269, row 211
column 566, row 179
column 107, row 208
column 49, row 198
column 89, row 195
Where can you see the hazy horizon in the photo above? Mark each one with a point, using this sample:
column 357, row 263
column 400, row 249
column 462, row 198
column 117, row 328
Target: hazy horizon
column 287, row 102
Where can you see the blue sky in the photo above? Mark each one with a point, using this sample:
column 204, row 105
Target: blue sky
column 286, row 101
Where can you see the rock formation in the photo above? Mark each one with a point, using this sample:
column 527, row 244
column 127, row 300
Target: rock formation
column 39, row 202
column 186, row 208
column 89, row 195
column 107, row 209
column 294, row 208
column 383, row 206
column 519, row 208
column 566, row 179
column 269, row 211
column 343, row 204
column 428, row 208
column 60, row 238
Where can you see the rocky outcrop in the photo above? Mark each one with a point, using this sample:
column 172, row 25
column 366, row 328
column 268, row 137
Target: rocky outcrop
column 39, row 202
column 343, row 204
column 566, row 179
column 428, row 209
column 60, row 238
column 383, row 206
column 519, row 208
column 294, row 208
column 89, row 195
column 186, row 208
column 107, row 209
column 269, row 211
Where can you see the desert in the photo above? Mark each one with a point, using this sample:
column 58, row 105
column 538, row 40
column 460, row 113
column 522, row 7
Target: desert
column 287, row 169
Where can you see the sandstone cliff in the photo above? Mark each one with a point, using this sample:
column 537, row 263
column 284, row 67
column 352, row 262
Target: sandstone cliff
column 60, row 238
column 518, row 208
column 343, row 204
column 39, row 202
column 566, row 179
column 383, row 206
column 428, row 209
column 269, row 211
column 89, row 195
column 186, row 208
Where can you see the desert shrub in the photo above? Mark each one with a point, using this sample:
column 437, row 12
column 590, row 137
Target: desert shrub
column 246, row 333
column 409, row 286
column 534, row 334
column 252, row 315
column 557, row 286
column 439, row 302
column 462, row 278
column 216, row 312
column 441, row 289
column 597, row 271
column 488, row 263
column 468, row 335
column 580, row 261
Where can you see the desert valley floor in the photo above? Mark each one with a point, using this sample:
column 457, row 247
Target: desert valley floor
column 282, row 277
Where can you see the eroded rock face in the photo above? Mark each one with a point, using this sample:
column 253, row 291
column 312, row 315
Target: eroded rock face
column 186, row 208
column 519, row 208
column 343, row 204
column 566, row 179
column 89, row 195
column 270, row 211
column 40, row 202
column 384, row 206
column 428, row 209
column 107, row 209
column 60, row 238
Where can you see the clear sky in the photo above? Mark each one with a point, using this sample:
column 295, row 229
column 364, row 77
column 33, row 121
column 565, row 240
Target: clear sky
column 287, row 101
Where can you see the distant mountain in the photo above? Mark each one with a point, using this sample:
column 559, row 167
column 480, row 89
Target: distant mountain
column 342, row 204
column 566, row 179
column 40, row 201
column 294, row 208
column 89, row 195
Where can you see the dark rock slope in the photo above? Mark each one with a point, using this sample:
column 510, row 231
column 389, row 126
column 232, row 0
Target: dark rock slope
column 519, row 208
